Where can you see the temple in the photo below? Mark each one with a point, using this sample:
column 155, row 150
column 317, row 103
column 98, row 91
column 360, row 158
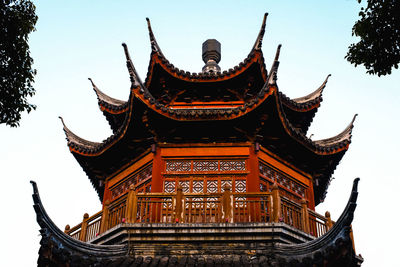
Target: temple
column 204, row 169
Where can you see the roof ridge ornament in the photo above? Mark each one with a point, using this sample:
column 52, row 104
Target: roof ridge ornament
column 273, row 73
column 258, row 42
column 135, row 80
column 154, row 45
column 211, row 54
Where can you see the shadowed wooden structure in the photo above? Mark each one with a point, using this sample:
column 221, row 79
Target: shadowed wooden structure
column 206, row 168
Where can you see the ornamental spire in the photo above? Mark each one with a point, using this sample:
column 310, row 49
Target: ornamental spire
column 258, row 43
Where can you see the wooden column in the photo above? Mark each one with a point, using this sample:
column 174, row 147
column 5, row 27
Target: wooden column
column 227, row 204
column 104, row 217
column 131, row 205
column 157, row 179
column 82, row 235
column 179, row 205
column 276, row 203
column 305, row 221
column 253, row 182
column 328, row 223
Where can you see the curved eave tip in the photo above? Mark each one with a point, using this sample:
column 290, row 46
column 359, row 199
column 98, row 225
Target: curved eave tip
column 354, row 118
column 278, row 52
column 93, row 85
column 355, row 184
column 62, row 121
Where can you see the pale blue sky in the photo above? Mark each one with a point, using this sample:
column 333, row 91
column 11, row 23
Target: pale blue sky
column 80, row 39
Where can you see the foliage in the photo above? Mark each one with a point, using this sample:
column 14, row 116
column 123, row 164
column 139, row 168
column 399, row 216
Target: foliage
column 379, row 30
column 17, row 20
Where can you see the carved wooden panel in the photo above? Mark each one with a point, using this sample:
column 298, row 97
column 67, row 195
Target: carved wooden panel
column 205, row 165
column 178, row 165
column 232, row 165
column 282, row 179
column 134, row 179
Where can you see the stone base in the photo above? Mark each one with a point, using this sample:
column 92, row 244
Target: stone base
column 212, row 239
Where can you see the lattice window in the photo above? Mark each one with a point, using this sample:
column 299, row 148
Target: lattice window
column 226, row 182
column 169, row 186
column 185, row 186
column 197, row 186
column 178, row 165
column 240, row 186
column 298, row 189
column 212, row 186
column 232, row 165
column 283, row 180
column 205, row 165
column 134, row 179
column 263, row 185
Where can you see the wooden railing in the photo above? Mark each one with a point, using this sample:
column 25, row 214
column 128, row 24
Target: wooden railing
column 179, row 207
column 88, row 229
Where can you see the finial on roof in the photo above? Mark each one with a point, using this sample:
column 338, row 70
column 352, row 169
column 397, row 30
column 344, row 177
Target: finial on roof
column 153, row 42
column 273, row 73
column 131, row 68
column 211, row 54
column 258, row 43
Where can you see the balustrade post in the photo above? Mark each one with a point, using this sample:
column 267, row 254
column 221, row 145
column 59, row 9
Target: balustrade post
column 352, row 238
column 305, row 221
column 104, row 217
column 67, row 228
column 276, row 203
column 179, row 204
column 227, row 204
column 82, row 235
column 328, row 223
column 131, row 205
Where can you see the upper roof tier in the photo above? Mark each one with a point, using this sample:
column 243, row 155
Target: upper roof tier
column 267, row 117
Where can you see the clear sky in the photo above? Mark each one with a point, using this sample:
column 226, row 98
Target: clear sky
column 80, row 39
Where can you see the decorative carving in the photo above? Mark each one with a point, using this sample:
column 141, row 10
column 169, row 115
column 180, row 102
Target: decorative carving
column 198, row 186
column 281, row 179
column 240, row 186
column 232, row 165
column 134, row 179
column 178, row 165
column 212, row 186
column 185, row 186
column 169, row 186
column 205, row 165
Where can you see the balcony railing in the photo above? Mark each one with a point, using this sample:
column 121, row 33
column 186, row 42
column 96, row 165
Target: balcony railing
column 179, row 207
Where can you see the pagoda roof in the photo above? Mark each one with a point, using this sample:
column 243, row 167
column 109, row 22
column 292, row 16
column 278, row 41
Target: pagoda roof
column 269, row 117
column 334, row 247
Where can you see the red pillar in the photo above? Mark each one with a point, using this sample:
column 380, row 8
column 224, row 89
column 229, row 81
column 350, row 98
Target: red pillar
column 253, row 179
column 158, row 166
